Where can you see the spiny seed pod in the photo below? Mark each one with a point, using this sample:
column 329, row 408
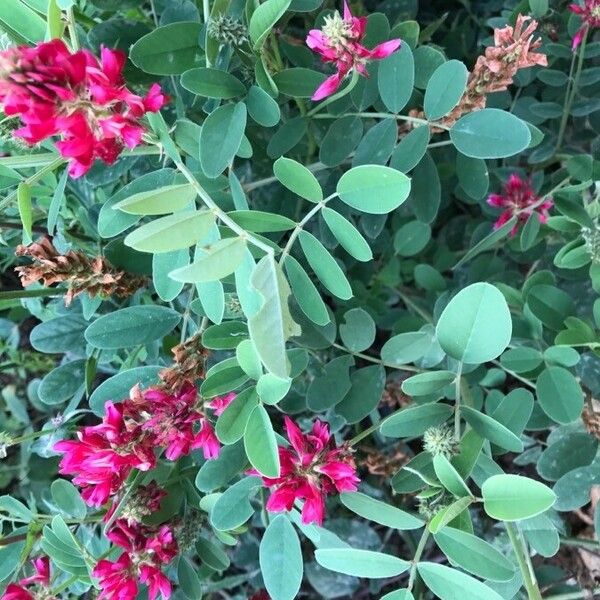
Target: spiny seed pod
column 228, row 30
column 440, row 440
column 429, row 506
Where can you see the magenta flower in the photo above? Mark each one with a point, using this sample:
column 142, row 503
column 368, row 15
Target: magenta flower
column 76, row 96
column 41, row 577
column 145, row 550
column 313, row 468
column 220, row 403
column 590, row 17
column 518, row 199
column 338, row 42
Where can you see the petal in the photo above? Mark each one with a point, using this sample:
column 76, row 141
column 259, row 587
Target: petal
column 328, row 87
column 385, row 49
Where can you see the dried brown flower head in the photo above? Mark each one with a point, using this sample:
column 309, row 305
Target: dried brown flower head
column 96, row 276
column 190, row 357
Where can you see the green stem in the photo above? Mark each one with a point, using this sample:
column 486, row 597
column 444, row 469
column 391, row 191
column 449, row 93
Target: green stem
column 522, row 555
column 45, row 292
column 72, row 27
column 353, row 81
column 378, row 360
column 417, row 558
column 300, row 226
column 218, row 212
column 33, row 179
column 457, row 392
column 376, row 115
column 573, row 91
column 514, row 375
column 64, row 586
column 363, row 434
column 133, row 482
column 32, row 436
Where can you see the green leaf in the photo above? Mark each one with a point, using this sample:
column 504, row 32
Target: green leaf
column 395, row 78
column 406, row 347
column 305, row 292
column 567, row 453
column 491, row 430
column 259, row 221
column 263, row 20
column 445, row 88
column 118, row 386
column 173, row 232
column 449, row 476
column 364, row 395
column 450, row 584
column 161, row 201
column 188, row 580
column 398, row 595
column 272, row 389
column 448, row 514
column 231, row 424
column 341, row 139
column 260, row 443
column 212, row 555
column 559, row 394
column 15, row 508
column 212, row 83
column 473, row 175
column 262, row 108
column 61, row 334
column 475, row 326
column 272, row 325
column 521, row 359
column 377, row 145
column 298, row 179
column 221, row 136
column 361, row 563
column 166, row 288
column 169, row 50
column 358, row 331
column 62, row 383
column 427, row 383
column 215, row 262
column 233, row 508
column 474, row 554
column 490, row 133
column 411, row 238
column 411, row 149
column 298, row 82
column 248, row 359
column 427, row 60
column 133, row 326
column 415, row 420
column 347, row 235
column 25, row 210
column 512, row 497
column 373, row 189
column 224, row 336
column 325, row 266
column 19, row 18
column 331, row 384
column 550, row 305
column 219, row 471
column 280, row 558
column 66, row 496
column 380, row 512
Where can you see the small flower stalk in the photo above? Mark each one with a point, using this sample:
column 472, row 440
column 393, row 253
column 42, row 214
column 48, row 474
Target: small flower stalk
column 311, row 469
column 95, row 276
column 339, row 42
column 519, row 200
column 76, row 96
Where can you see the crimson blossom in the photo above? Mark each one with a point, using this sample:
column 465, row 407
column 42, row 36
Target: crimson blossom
column 313, row 468
column 589, row 12
column 103, row 455
column 519, row 200
column 338, row 42
column 145, row 549
column 41, row 577
column 76, row 96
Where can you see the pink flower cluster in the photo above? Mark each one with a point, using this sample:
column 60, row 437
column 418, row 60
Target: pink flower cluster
column 41, row 579
column 313, row 468
column 145, row 549
column 519, row 200
column 77, row 97
column 589, row 12
column 339, row 42
column 103, row 455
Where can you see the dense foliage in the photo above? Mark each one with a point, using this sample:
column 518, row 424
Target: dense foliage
column 299, row 299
